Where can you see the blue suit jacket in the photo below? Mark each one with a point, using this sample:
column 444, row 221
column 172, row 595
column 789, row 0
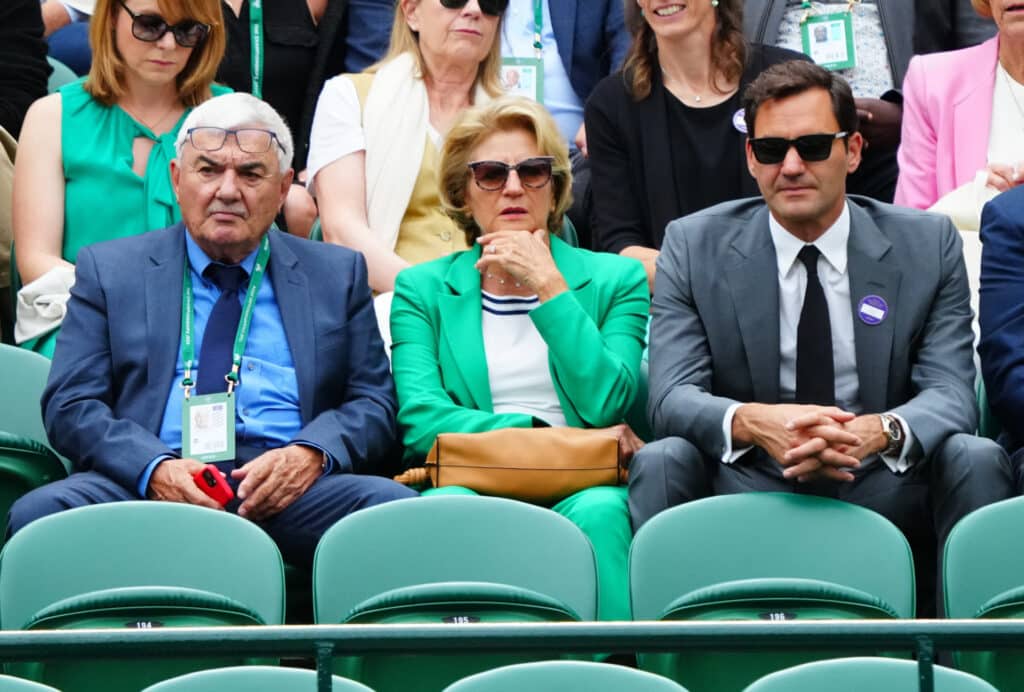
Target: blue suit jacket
column 1001, row 312
column 120, row 340
column 592, row 40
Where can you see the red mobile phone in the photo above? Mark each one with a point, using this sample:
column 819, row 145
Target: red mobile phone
column 211, row 481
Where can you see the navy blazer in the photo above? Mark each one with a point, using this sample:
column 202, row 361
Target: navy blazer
column 116, row 353
column 1001, row 312
column 592, row 40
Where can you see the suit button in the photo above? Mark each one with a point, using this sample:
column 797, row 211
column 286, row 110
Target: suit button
column 252, row 367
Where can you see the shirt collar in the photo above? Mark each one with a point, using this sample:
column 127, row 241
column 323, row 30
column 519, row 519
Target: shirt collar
column 831, row 243
column 199, row 260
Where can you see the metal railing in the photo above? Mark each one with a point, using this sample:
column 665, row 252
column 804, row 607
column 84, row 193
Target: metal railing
column 324, row 642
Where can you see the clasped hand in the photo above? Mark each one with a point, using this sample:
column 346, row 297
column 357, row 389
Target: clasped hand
column 811, row 442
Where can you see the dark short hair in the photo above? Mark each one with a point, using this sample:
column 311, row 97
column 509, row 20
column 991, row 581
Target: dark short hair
column 795, row 77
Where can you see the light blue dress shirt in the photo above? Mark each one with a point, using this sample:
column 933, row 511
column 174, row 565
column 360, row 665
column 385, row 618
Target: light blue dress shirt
column 517, row 42
column 267, row 412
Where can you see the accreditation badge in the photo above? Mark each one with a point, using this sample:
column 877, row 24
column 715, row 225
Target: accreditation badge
column 828, row 40
column 208, row 427
column 523, row 77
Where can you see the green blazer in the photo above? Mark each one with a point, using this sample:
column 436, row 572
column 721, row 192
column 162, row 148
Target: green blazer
column 594, row 331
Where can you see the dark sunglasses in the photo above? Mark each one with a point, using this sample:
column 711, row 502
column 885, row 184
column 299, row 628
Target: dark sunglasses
column 810, row 147
column 151, row 27
column 250, row 139
column 492, row 7
column 492, row 175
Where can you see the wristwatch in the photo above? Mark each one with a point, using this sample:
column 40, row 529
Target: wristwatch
column 893, row 433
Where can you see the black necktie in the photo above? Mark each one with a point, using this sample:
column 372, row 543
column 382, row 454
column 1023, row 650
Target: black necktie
column 815, row 371
column 219, row 337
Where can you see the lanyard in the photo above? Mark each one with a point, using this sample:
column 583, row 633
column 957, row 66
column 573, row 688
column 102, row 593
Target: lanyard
column 256, row 40
column 538, row 27
column 188, row 349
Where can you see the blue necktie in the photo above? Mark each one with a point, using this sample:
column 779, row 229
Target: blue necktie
column 219, row 337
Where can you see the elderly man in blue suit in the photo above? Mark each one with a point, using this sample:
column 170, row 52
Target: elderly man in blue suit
column 282, row 383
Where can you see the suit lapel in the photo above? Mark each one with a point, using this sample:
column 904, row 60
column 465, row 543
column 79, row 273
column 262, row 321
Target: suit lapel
column 872, row 274
column 462, row 344
column 756, row 274
column 563, row 25
column 162, row 278
column 295, row 302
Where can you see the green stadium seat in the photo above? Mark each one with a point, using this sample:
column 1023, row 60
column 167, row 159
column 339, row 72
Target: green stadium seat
column 764, row 556
column 450, row 559
column 252, row 679
column 983, row 577
column 565, row 676
column 10, row 683
column 988, row 425
column 136, row 565
column 862, row 673
column 61, row 75
column 26, row 459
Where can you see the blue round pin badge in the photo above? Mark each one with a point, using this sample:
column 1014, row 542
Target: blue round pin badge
column 872, row 310
column 739, row 121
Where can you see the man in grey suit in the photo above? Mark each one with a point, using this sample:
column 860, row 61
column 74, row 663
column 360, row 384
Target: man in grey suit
column 813, row 342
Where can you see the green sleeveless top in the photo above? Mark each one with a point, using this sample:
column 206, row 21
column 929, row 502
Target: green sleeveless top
column 103, row 198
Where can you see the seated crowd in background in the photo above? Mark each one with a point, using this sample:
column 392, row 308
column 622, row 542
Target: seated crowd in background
column 450, row 193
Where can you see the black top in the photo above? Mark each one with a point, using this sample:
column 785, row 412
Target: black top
column 23, row 67
column 298, row 57
column 290, row 48
column 709, row 163
column 641, row 156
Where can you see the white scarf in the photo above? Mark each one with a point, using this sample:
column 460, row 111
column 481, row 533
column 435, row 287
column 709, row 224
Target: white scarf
column 395, row 121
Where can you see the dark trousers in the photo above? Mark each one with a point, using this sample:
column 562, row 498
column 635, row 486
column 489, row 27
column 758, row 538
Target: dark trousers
column 963, row 474
column 296, row 530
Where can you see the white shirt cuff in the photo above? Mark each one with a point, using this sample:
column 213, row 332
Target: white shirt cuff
column 730, row 455
column 899, row 464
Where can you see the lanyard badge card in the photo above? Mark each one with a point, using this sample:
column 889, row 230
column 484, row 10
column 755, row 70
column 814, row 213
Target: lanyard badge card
column 525, row 76
column 828, row 39
column 208, row 421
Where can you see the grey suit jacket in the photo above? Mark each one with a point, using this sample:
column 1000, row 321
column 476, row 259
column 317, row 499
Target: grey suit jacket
column 715, row 330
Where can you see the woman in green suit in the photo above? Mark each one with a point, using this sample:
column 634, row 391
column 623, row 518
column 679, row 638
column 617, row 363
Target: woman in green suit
column 522, row 330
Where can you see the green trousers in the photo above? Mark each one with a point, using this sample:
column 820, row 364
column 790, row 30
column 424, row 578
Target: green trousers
column 602, row 514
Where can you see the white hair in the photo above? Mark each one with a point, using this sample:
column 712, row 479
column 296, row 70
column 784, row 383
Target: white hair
column 238, row 109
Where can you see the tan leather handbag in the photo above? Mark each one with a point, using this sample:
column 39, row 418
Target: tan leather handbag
column 538, row 465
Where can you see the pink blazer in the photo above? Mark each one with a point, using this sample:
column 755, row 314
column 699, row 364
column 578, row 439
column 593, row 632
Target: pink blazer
column 947, row 114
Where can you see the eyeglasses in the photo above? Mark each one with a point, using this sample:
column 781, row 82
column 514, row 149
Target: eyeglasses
column 492, row 7
column 250, row 140
column 152, row 27
column 533, row 173
column 810, row 147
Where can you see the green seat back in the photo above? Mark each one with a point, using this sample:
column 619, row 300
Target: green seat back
column 137, row 565
column 9, row 683
column 24, row 465
column 61, row 75
column 253, row 679
column 988, row 424
column 24, row 378
column 565, row 676
column 450, row 558
column 861, row 673
column 764, row 556
column 983, row 576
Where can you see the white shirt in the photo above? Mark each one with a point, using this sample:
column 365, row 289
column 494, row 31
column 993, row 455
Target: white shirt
column 1005, row 145
column 835, row 283
column 517, row 360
